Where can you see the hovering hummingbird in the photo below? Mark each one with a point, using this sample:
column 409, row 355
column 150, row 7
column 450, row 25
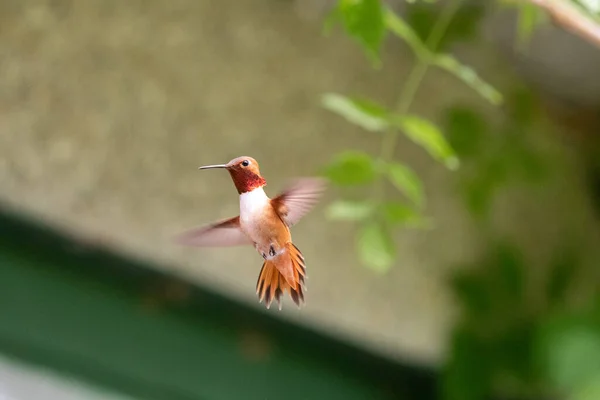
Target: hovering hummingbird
column 264, row 223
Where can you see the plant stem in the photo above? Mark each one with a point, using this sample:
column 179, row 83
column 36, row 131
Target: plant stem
column 413, row 82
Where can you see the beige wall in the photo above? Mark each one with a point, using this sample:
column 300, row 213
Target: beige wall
column 108, row 107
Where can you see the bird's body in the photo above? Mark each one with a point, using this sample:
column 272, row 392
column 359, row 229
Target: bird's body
column 264, row 223
column 260, row 222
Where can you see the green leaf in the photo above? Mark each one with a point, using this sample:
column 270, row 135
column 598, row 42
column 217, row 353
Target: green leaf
column 466, row 131
column 510, row 273
column 363, row 20
column 464, row 25
column 351, row 168
column 494, row 288
column 364, row 113
column 349, row 210
column 397, row 213
column 564, row 267
column 478, row 195
column 403, row 30
column 513, row 346
column 428, row 136
column 523, row 106
column 521, row 161
column 375, row 247
column 406, row 181
column 589, row 390
column 469, row 76
column 571, row 351
column 468, row 372
column 472, row 294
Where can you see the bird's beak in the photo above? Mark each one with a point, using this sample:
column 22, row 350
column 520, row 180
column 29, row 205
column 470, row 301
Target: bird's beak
column 213, row 166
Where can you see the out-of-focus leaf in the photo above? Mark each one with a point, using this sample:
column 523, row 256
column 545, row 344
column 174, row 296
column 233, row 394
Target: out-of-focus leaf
column 364, row 21
column 563, row 269
column 589, row 390
column 479, row 190
column 497, row 289
column 513, row 350
column 375, row 247
column 406, row 181
column 364, row 113
column 467, row 374
column 466, row 131
column 510, row 275
column 519, row 160
column 496, row 168
column 522, row 105
column 428, row 136
column 469, row 76
column 403, row 30
column 570, row 350
column 472, row 293
column 351, row 168
column 479, row 194
column 399, row 213
column 349, row 210
column 532, row 168
column 421, row 17
column 464, row 25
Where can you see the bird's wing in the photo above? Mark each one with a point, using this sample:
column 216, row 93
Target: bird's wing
column 298, row 199
column 222, row 233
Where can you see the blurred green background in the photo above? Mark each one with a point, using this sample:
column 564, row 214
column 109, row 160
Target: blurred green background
column 455, row 256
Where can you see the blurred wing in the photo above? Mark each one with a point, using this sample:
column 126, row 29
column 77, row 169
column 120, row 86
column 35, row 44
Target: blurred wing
column 298, row 199
column 223, row 233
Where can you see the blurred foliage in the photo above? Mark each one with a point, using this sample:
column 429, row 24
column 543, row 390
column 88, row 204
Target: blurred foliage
column 368, row 22
column 499, row 154
column 518, row 335
column 363, row 21
column 464, row 24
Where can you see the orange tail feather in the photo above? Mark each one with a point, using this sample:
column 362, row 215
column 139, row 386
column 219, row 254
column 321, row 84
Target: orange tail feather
column 283, row 273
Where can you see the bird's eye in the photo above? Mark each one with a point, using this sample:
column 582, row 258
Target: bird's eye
column 245, row 163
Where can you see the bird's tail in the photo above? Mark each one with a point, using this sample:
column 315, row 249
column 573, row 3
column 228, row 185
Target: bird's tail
column 284, row 272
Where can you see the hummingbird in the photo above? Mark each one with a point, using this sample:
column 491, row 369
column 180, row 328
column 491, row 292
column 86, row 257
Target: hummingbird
column 264, row 223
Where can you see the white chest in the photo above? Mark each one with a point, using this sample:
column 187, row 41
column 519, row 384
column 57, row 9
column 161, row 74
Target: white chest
column 252, row 206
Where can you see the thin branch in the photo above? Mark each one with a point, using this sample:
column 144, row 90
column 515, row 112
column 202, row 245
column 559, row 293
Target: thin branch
column 570, row 17
column 415, row 77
